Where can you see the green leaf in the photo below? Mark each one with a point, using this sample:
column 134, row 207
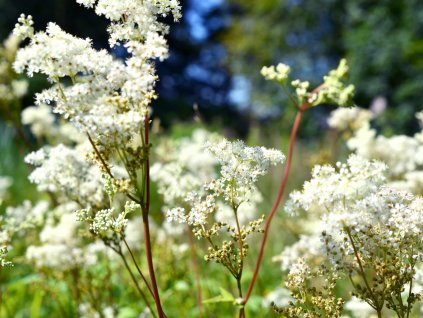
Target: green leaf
column 224, row 297
column 36, row 303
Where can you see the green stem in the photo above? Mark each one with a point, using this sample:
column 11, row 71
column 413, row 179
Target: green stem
column 194, row 262
column 137, row 267
column 363, row 274
column 136, row 283
column 241, row 313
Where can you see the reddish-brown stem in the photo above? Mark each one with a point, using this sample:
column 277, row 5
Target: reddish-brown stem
column 145, row 212
column 277, row 201
column 301, row 109
column 151, row 266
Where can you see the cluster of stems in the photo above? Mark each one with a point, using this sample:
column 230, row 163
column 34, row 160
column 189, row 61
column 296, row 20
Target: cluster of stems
column 141, row 197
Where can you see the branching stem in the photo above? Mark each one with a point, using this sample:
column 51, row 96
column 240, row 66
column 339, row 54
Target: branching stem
column 301, row 109
column 276, row 203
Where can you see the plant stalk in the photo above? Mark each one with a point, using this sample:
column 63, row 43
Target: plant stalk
column 277, row 201
column 145, row 213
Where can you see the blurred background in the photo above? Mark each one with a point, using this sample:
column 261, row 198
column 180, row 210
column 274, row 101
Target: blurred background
column 219, row 47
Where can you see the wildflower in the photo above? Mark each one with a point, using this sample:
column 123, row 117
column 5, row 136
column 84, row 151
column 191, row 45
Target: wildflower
column 279, row 73
column 353, row 118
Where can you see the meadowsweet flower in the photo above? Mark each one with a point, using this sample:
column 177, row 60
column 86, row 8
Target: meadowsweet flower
column 106, row 223
column 299, row 273
column 353, row 118
column 133, row 235
column 27, row 215
column 56, row 54
column 411, row 182
column 311, row 299
column 301, row 90
column 279, row 73
column 60, row 247
column 333, row 89
column 279, row 297
column 107, row 98
column 398, row 152
column 183, row 166
column 12, row 89
column 330, row 188
column 240, row 168
column 368, row 227
column 65, row 171
column 308, row 248
column 24, row 28
column 40, row 119
column 19, row 88
column 55, row 256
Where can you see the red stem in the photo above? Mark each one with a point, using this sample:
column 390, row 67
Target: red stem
column 278, row 199
column 147, row 235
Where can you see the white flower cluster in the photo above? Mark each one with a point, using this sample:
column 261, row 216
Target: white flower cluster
column 108, row 98
column 308, row 247
column 25, row 216
column 59, row 248
column 299, row 273
column 17, row 221
column 349, row 118
column 329, row 188
column 11, row 88
column 332, row 91
column 90, row 102
column 65, row 171
column 360, row 218
column 24, row 28
column 104, row 223
column 279, row 297
column 43, row 124
column 279, row 73
column 3, row 253
column 183, row 166
column 402, row 154
column 135, row 20
column 15, row 90
column 40, row 119
column 241, row 167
